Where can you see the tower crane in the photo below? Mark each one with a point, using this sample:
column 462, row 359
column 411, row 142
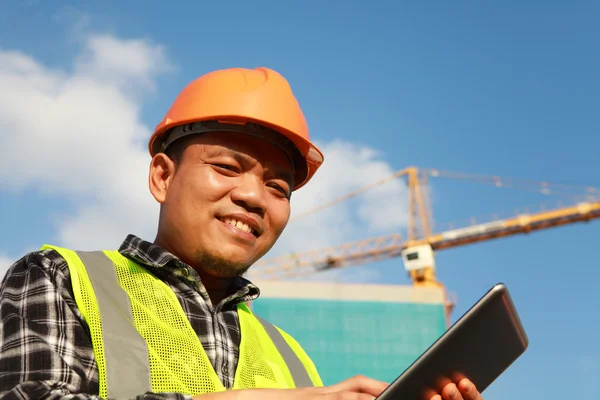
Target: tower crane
column 418, row 249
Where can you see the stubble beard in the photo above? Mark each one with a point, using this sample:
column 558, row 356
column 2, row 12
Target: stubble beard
column 219, row 266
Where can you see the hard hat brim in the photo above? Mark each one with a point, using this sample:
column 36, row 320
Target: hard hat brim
column 303, row 154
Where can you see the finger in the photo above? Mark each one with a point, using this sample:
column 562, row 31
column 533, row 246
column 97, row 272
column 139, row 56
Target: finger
column 361, row 396
column 468, row 390
column 436, row 397
column 360, row 384
column 348, row 396
column 451, row 392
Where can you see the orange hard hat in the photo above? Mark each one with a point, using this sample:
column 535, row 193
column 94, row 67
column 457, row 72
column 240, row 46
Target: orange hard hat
column 244, row 97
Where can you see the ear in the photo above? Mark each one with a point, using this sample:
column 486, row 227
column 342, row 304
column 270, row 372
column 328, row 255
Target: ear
column 162, row 171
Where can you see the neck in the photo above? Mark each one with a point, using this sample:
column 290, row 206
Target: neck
column 217, row 288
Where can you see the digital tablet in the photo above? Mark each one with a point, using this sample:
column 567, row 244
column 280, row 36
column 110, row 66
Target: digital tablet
column 480, row 346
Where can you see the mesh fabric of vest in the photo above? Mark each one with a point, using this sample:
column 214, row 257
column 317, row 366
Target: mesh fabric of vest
column 177, row 360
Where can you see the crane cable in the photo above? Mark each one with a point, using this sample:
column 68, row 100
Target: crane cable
column 544, row 187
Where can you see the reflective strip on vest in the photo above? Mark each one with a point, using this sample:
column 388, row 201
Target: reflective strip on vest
column 297, row 369
column 127, row 367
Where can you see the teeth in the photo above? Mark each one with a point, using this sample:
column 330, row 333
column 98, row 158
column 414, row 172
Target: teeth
column 238, row 224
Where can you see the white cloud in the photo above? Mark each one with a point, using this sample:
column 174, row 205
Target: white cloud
column 347, row 168
column 77, row 134
column 128, row 64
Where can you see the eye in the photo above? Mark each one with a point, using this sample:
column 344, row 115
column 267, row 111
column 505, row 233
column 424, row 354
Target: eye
column 227, row 168
column 285, row 193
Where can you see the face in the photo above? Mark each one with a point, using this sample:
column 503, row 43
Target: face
column 225, row 204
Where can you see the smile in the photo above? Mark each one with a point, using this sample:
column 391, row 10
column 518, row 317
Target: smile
column 239, row 225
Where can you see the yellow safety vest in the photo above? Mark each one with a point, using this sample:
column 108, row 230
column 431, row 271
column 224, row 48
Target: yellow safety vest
column 143, row 341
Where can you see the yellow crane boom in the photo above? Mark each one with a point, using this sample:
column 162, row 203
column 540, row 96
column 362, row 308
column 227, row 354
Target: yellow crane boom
column 417, row 250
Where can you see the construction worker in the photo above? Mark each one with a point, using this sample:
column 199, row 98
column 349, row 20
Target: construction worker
column 168, row 318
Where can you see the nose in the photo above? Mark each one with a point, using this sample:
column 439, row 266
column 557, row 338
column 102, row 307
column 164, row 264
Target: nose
column 250, row 194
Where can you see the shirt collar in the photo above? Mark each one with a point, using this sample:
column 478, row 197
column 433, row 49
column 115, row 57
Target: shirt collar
column 155, row 257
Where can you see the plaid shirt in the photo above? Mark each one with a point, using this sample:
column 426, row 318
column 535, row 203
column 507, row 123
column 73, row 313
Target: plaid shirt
column 45, row 346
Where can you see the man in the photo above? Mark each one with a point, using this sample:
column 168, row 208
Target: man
column 168, row 319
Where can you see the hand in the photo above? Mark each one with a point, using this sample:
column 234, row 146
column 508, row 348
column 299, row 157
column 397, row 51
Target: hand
column 465, row 390
column 355, row 388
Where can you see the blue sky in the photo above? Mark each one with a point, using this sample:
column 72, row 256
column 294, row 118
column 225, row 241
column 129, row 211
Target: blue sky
column 505, row 88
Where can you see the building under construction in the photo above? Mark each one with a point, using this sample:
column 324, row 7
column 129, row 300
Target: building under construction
column 349, row 329
column 346, row 328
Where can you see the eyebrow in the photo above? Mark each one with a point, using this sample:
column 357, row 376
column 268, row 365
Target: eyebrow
column 225, row 152
column 243, row 159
